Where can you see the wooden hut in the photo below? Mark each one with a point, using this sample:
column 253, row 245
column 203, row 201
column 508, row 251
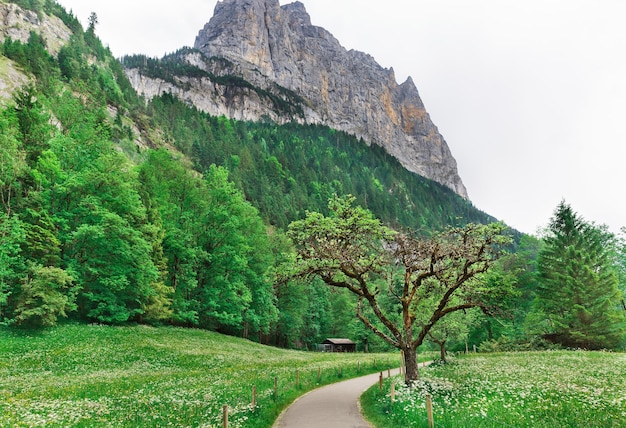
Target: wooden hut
column 339, row 345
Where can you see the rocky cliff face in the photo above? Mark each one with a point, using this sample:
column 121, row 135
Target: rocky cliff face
column 306, row 75
column 17, row 24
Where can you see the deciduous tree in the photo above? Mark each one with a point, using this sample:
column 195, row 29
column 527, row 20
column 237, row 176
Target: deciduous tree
column 452, row 328
column 46, row 294
column 398, row 277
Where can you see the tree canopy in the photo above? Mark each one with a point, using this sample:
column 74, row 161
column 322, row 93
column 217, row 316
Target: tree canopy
column 404, row 284
column 578, row 301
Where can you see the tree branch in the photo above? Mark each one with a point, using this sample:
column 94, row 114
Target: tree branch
column 376, row 330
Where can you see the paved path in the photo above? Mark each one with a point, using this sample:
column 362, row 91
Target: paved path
column 331, row 406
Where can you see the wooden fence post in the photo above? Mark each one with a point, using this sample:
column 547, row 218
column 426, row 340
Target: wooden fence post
column 225, row 415
column 388, row 371
column 380, row 382
column 358, row 367
column 319, row 374
column 275, row 388
column 254, row 396
column 393, row 391
column 297, row 378
column 429, row 411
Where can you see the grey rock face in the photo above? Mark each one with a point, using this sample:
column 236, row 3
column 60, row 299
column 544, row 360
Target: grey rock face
column 347, row 90
column 17, row 24
column 279, row 50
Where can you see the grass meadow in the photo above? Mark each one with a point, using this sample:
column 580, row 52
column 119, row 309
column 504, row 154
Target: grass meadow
column 98, row 376
column 530, row 389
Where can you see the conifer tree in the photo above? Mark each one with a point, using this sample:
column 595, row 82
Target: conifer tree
column 577, row 302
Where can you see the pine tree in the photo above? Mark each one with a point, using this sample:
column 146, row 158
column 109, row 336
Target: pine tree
column 578, row 297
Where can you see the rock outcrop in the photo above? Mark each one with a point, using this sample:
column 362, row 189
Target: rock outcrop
column 298, row 71
column 17, row 23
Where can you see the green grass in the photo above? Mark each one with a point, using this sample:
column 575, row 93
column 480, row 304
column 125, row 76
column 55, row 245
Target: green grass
column 533, row 389
column 78, row 375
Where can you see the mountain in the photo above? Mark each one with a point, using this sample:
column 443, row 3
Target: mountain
column 266, row 61
column 118, row 209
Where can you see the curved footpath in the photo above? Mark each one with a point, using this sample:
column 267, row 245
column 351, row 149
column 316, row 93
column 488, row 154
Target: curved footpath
column 331, row 406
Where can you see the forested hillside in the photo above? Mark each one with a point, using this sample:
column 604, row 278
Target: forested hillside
column 116, row 210
column 286, row 170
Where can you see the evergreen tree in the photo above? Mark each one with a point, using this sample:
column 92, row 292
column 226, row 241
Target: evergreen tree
column 13, row 166
column 12, row 264
column 578, row 299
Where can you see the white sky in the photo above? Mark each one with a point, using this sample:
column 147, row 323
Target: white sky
column 530, row 95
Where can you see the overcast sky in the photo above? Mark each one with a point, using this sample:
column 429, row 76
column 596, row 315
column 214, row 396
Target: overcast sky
column 530, row 95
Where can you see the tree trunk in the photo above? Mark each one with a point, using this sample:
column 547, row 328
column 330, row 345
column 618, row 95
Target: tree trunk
column 410, row 360
column 442, row 349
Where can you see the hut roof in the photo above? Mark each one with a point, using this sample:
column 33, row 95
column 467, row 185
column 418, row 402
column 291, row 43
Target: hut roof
column 339, row 342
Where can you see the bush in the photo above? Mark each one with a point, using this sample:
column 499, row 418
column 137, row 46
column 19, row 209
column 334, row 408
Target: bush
column 504, row 344
column 46, row 295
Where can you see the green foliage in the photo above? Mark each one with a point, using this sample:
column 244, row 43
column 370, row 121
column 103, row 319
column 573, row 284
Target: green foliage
column 33, row 57
column 44, row 6
column 112, row 260
column 621, row 265
column 34, row 122
column 289, row 169
column 34, row 5
column 578, row 300
column 46, row 295
column 42, row 244
column 215, row 244
column 13, row 165
column 452, row 328
column 350, row 236
column 12, row 264
column 407, row 284
column 75, row 194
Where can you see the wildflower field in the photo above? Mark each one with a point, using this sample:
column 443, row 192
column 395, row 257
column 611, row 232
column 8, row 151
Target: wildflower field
column 530, row 389
column 91, row 376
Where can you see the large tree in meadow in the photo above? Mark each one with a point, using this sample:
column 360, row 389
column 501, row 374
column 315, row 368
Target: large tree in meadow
column 404, row 285
column 578, row 299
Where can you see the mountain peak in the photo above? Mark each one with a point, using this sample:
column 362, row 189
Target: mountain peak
column 298, row 12
column 345, row 90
